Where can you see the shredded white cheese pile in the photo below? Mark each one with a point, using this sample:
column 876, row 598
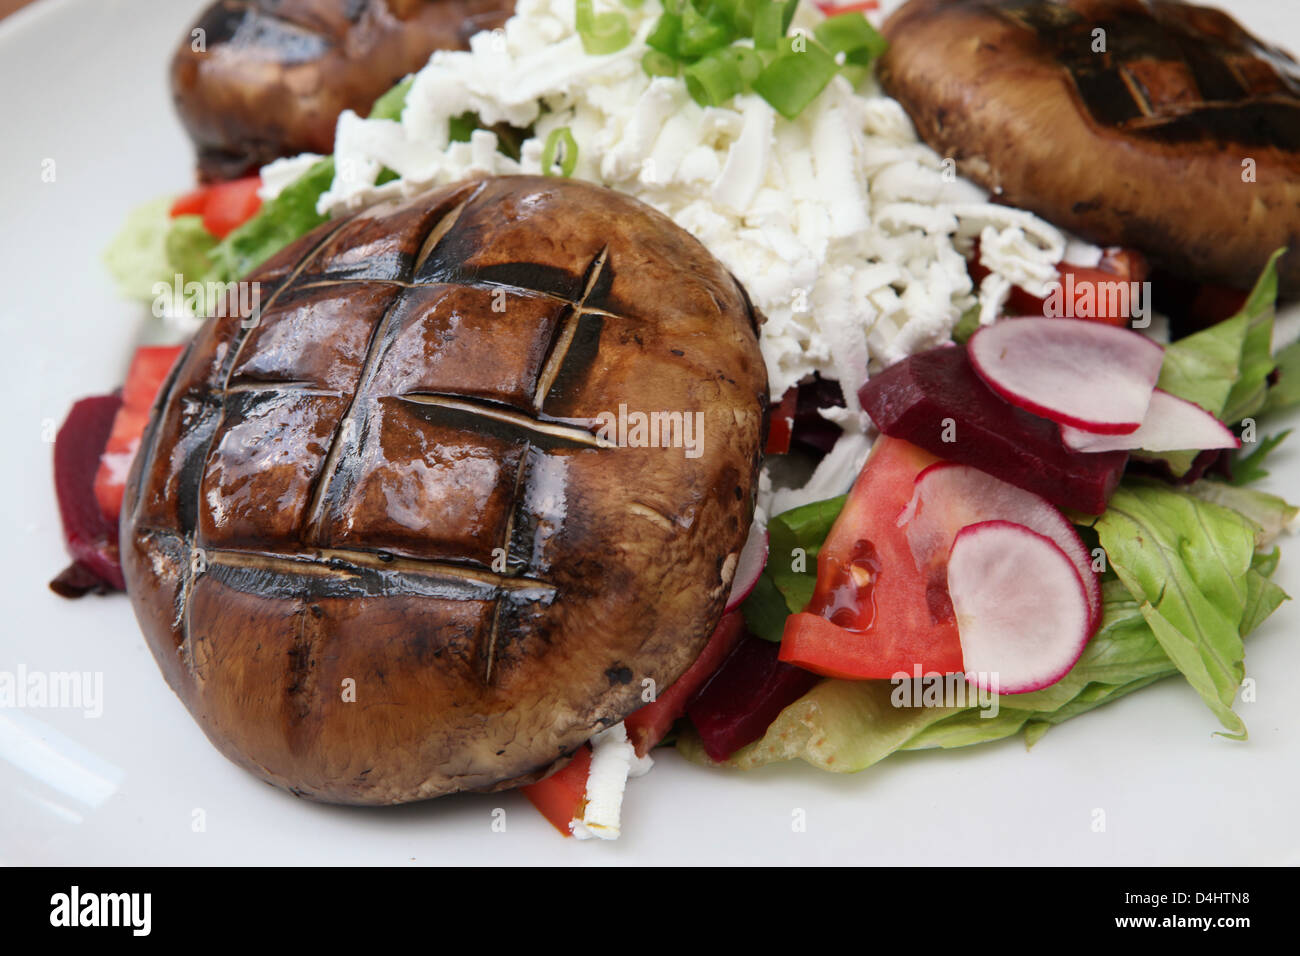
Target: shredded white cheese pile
column 847, row 231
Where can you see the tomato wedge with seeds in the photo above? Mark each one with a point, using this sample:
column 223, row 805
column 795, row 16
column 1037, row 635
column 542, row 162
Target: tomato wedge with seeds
column 874, row 613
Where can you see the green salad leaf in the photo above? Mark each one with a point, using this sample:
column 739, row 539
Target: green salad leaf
column 1249, row 468
column 1286, row 393
column 1263, row 595
column 189, row 246
column 1186, row 560
column 786, row 585
column 765, row 610
column 1269, row 513
column 1224, row 369
column 137, row 256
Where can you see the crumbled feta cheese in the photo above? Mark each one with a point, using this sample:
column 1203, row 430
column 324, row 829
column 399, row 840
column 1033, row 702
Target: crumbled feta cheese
column 843, row 226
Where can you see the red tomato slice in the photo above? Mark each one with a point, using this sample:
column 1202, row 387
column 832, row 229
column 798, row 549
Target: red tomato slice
column 647, row 726
column 192, row 203
column 874, row 614
column 560, row 796
column 781, row 428
column 149, row 369
column 230, row 205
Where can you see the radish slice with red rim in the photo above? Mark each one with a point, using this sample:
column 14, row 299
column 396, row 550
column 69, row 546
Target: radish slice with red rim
column 753, row 558
column 948, row 497
column 1171, row 424
column 1090, row 376
column 1022, row 612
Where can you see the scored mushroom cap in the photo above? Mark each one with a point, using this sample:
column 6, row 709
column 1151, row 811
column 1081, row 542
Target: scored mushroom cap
column 271, row 77
column 377, row 536
column 1181, row 138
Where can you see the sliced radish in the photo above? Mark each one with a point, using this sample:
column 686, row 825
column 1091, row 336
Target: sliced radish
column 1091, row 376
column 1171, row 424
column 753, row 558
column 948, row 497
column 1022, row 612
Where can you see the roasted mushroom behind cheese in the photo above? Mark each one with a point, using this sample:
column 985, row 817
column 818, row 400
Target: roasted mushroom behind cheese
column 409, row 481
column 1150, row 124
column 258, row 79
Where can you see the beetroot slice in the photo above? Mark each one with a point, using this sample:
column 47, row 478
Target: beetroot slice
column 914, row 400
column 90, row 537
column 746, row 694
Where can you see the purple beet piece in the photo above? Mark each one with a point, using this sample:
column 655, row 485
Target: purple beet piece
column 814, row 434
column 914, row 400
column 746, row 694
column 90, row 537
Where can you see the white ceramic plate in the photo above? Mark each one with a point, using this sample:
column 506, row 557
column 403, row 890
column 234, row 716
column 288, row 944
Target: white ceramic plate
column 85, row 85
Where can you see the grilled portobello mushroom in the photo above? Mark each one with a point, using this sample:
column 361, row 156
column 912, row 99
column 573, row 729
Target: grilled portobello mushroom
column 390, row 485
column 271, row 77
column 1141, row 145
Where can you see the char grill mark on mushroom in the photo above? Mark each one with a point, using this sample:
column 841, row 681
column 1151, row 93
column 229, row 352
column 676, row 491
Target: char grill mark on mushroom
column 1158, row 79
column 336, row 572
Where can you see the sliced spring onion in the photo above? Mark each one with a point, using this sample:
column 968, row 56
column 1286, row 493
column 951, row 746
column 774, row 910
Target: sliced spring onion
column 739, row 13
column 794, row 79
column 748, row 62
column 771, row 20
column 658, row 64
column 852, row 35
column 701, row 35
column 601, row 33
column 664, row 36
column 714, row 79
column 560, row 138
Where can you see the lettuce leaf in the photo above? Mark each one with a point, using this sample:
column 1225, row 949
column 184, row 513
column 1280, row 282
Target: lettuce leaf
column 1286, row 393
column 189, row 246
column 786, row 585
column 137, row 256
column 1186, row 560
column 1263, row 597
column 765, row 610
column 1269, row 513
column 803, row 530
column 1225, row 368
column 1250, row 468
column 1250, row 390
